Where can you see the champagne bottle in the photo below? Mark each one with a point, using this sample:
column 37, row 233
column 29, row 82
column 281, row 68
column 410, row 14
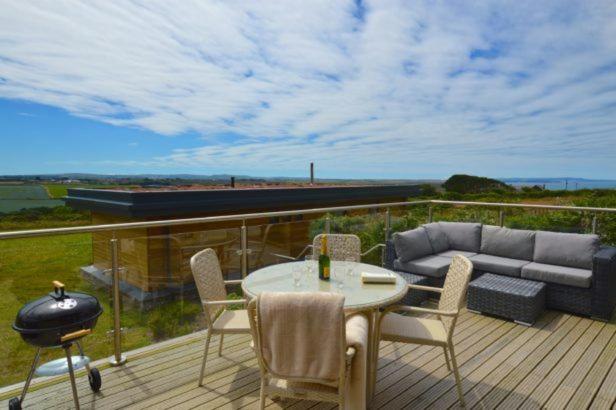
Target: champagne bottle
column 323, row 260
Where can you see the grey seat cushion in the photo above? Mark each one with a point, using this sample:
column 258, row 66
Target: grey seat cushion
column 433, row 266
column 438, row 238
column 465, row 236
column 508, row 243
column 562, row 275
column 412, row 244
column 498, row 264
column 565, row 249
column 453, row 252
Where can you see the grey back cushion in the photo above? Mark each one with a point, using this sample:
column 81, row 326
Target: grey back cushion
column 438, row 238
column 463, row 236
column 508, row 243
column 565, row 249
column 412, row 244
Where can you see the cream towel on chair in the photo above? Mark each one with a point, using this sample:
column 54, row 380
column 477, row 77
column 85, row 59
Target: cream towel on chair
column 295, row 346
column 357, row 337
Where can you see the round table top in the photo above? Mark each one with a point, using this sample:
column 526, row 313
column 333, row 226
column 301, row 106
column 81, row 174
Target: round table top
column 358, row 295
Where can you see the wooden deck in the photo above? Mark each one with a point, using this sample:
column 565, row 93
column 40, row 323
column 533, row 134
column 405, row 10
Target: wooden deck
column 563, row 361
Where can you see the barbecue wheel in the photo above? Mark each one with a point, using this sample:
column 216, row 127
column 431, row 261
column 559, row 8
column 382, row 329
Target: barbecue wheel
column 94, row 377
column 15, row 404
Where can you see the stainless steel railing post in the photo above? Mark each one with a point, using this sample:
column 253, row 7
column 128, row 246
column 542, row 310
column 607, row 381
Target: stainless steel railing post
column 594, row 223
column 501, row 218
column 244, row 247
column 328, row 224
column 387, row 224
column 118, row 358
column 387, row 235
column 430, row 214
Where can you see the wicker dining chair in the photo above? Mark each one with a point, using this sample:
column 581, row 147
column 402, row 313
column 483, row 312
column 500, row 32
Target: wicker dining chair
column 277, row 384
column 435, row 332
column 340, row 247
column 213, row 293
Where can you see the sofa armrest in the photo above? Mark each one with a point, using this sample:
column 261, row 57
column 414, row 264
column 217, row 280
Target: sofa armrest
column 390, row 255
column 604, row 283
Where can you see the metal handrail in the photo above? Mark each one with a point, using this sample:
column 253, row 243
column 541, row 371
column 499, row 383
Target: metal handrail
column 273, row 214
column 522, row 205
column 189, row 221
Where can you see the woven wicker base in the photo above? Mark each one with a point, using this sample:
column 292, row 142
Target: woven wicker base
column 414, row 297
column 518, row 299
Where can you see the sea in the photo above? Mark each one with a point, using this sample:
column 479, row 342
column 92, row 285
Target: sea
column 571, row 184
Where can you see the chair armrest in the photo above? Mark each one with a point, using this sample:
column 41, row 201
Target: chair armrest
column 350, row 353
column 278, row 255
column 225, row 302
column 404, row 308
column 604, row 283
column 375, row 247
column 233, row 282
column 426, row 288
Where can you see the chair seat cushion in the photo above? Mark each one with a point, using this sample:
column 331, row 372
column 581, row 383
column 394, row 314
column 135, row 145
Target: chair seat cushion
column 498, row 264
column 562, row 275
column 434, row 266
column 453, row 252
column 232, row 320
column 408, row 329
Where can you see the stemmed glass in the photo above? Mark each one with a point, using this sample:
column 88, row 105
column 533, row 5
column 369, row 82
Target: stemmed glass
column 297, row 275
column 338, row 274
column 349, row 266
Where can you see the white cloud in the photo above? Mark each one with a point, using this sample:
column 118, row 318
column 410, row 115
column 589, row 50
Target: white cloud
column 383, row 87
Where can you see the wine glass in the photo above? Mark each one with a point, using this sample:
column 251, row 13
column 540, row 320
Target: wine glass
column 349, row 266
column 338, row 274
column 297, row 275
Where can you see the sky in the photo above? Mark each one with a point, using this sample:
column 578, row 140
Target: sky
column 365, row 89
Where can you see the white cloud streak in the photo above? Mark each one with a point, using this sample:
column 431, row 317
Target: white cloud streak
column 383, row 88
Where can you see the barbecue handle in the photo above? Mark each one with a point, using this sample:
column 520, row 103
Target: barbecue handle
column 74, row 335
column 58, row 286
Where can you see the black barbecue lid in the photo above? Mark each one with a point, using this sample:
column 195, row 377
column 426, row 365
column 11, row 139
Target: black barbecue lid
column 57, row 310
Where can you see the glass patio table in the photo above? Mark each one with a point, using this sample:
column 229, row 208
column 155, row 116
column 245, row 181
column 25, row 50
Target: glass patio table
column 366, row 298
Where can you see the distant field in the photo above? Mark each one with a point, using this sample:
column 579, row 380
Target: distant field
column 16, row 197
column 23, row 192
column 59, row 191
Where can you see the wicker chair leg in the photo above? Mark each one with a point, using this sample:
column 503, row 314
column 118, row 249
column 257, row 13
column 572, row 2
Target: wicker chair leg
column 222, row 337
column 447, row 358
column 456, row 373
column 262, row 394
column 207, row 347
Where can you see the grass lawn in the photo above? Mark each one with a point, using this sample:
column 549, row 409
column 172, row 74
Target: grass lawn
column 27, row 267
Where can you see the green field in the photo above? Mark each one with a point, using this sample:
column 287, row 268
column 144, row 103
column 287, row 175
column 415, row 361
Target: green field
column 16, row 197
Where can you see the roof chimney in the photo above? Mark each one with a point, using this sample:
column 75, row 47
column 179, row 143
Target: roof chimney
column 311, row 173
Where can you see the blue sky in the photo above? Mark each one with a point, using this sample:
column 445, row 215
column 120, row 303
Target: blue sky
column 377, row 89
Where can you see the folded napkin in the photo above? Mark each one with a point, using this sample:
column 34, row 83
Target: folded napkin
column 370, row 277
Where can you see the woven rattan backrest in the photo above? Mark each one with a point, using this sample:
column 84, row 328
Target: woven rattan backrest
column 454, row 290
column 340, row 247
column 209, row 280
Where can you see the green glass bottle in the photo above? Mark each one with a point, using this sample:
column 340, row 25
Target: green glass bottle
column 323, row 260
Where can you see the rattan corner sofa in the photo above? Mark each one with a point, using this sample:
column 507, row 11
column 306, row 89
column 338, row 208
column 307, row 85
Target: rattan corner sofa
column 579, row 273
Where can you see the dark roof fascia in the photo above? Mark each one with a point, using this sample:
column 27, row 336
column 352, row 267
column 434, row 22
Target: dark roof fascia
column 144, row 204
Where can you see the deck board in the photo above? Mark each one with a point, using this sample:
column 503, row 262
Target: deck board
column 563, row 360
